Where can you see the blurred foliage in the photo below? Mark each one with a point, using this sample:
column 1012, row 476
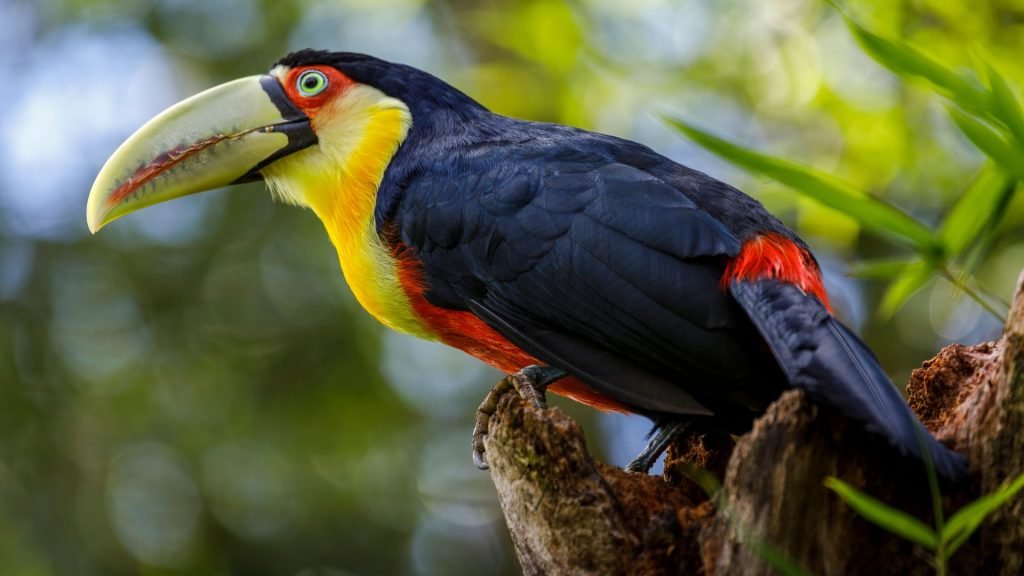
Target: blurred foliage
column 947, row 536
column 195, row 390
column 989, row 116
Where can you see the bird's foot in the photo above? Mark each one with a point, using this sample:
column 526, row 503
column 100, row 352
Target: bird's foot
column 656, row 445
column 530, row 382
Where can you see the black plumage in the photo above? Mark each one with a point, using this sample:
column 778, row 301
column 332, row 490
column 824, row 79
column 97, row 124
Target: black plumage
column 820, row 355
column 598, row 256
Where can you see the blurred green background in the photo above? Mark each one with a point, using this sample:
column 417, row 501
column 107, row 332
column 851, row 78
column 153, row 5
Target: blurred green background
column 195, row 391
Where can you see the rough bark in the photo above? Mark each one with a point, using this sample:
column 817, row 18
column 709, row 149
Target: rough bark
column 569, row 514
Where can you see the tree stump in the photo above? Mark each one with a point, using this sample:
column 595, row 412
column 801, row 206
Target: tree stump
column 569, row 514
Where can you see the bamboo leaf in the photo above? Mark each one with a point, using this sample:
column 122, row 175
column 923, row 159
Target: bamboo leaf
column 869, row 211
column 962, row 524
column 991, row 143
column 882, row 268
column 977, row 211
column 883, row 515
column 707, row 481
column 904, row 60
column 1007, row 108
column 988, row 301
column 914, row 277
column 983, row 247
column 778, row 561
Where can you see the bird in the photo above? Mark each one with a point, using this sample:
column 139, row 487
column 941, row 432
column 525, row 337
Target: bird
column 576, row 262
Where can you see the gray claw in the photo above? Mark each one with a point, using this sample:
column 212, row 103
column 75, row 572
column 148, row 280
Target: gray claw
column 480, row 460
column 529, row 383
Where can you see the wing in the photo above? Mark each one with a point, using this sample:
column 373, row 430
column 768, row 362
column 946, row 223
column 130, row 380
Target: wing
column 820, row 355
column 595, row 267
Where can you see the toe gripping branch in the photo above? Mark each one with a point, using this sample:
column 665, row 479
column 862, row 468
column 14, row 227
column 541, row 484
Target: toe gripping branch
column 656, row 446
column 530, row 383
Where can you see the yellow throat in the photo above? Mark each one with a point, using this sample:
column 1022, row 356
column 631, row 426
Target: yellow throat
column 338, row 179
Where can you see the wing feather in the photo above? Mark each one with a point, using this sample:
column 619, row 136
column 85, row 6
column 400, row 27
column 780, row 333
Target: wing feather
column 597, row 267
column 820, row 355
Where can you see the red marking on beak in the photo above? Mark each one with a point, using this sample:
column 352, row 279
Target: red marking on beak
column 159, row 164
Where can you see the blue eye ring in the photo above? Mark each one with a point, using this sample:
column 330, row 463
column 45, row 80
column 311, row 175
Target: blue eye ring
column 311, row 82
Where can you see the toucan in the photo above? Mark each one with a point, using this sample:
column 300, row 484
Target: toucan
column 576, row 262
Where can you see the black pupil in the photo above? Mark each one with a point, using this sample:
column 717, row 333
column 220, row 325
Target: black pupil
column 311, row 82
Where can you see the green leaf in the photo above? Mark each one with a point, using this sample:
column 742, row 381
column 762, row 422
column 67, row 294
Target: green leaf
column 778, row 561
column 983, row 248
column 707, row 481
column 962, row 524
column 1006, row 106
column 991, row 143
column 988, row 301
column 883, row 515
column 881, row 268
column 977, row 211
column 904, row 60
column 913, row 278
column 869, row 211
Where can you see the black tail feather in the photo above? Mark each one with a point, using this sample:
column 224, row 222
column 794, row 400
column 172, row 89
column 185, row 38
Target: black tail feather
column 820, row 355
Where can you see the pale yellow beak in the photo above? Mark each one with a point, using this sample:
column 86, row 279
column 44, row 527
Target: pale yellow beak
column 222, row 136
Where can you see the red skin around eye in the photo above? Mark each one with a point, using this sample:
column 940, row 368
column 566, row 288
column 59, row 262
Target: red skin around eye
column 336, row 84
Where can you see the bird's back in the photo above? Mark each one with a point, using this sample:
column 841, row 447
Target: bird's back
column 596, row 254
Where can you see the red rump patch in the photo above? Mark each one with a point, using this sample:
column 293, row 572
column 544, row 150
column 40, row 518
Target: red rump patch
column 774, row 256
column 463, row 330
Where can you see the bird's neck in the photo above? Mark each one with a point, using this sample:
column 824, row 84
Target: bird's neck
column 339, row 182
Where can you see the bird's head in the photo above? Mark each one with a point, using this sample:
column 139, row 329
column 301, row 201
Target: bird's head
column 317, row 121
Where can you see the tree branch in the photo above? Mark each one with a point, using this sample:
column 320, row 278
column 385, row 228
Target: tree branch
column 569, row 514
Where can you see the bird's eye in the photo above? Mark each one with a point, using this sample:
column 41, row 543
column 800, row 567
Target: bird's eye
column 311, row 83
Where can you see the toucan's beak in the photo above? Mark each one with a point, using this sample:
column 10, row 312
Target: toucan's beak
column 222, row 136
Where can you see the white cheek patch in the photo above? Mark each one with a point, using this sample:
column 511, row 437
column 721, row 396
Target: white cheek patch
column 280, row 72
